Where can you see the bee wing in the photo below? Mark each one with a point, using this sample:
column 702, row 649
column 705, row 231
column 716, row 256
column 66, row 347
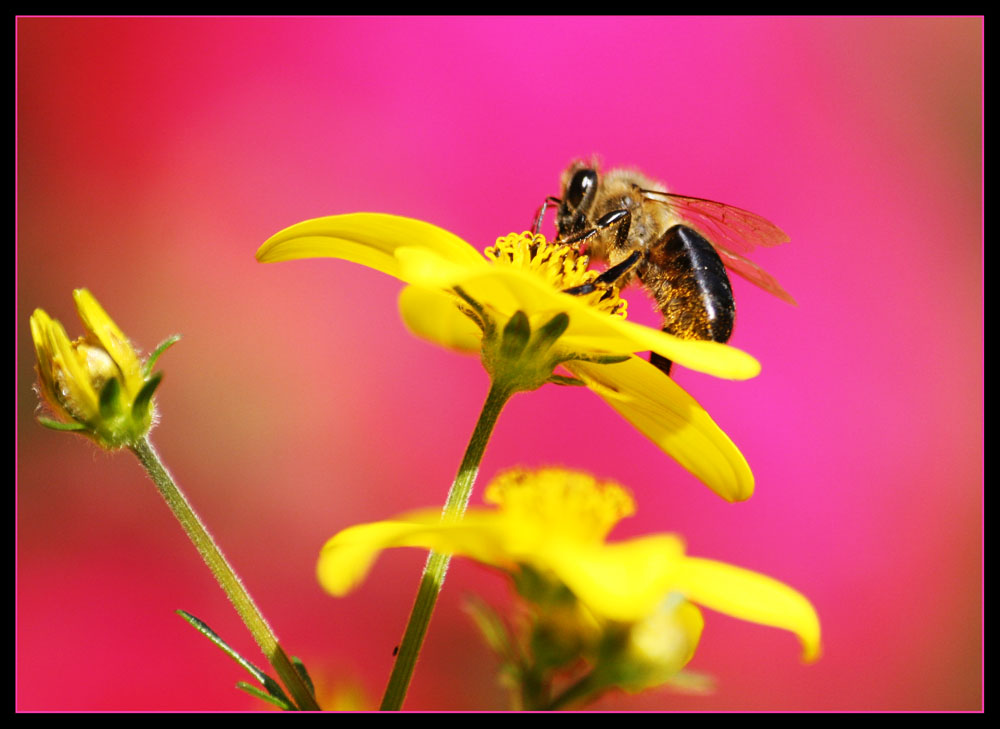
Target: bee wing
column 753, row 273
column 732, row 231
column 736, row 228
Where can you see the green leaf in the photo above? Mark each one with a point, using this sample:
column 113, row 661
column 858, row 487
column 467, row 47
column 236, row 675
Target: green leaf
column 272, row 686
column 160, row 349
column 141, row 405
column 254, row 691
column 59, row 425
column 110, row 394
column 563, row 380
column 300, row 667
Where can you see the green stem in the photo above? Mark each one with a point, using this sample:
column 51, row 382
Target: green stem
column 437, row 564
column 227, row 578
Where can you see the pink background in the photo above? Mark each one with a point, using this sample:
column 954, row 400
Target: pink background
column 155, row 155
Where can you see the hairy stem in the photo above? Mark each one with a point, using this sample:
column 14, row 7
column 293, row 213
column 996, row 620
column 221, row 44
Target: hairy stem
column 225, row 575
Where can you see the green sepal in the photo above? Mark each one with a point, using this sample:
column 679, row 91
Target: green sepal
column 160, row 349
column 486, row 322
column 491, row 627
column 59, row 425
column 550, row 331
column 272, row 686
column 516, row 333
column 140, row 408
column 474, row 316
column 108, row 402
column 263, row 695
column 601, row 358
column 300, row 668
column 563, row 380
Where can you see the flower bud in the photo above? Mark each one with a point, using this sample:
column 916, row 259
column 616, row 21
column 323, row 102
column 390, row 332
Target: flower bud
column 95, row 385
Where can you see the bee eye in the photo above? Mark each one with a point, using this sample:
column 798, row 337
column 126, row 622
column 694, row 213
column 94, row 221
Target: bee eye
column 582, row 183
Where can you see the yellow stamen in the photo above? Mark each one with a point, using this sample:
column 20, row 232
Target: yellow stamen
column 562, row 266
column 567, row 502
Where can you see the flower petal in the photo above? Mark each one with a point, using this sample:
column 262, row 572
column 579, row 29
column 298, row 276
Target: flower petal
column 41, row 322
column 366, row 238
column 111, row 338
column 672, row 419
column 73, row 389
column 713, row 358
column 348, row 556
column 750, row 596
column 508, row 289
column 623, row 581
column 434, row 315
column 664, row 642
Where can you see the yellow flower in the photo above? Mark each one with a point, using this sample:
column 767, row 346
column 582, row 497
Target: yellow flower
column 96, row 385
column 460, row 300
column 553, row 523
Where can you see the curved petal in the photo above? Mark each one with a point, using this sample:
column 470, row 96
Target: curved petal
column 508, row 289
column 664, row 642
column 434, row 315
column 41, row 322
column 714, row 358
column 348, row 556
column 111, row 338
column 366, row 238
column 672, row 419
column 623, row 581
column 74, row 389
column 750, row 596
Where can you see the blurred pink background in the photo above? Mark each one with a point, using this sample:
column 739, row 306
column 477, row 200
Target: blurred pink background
column 155, row 155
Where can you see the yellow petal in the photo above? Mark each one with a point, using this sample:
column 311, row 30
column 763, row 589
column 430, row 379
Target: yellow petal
column 347, row 557
column 74, row 390
column 713, row 358
column 40, row 324
column 434, row 315
column 507, row 289
column 665, row 641
column 623, row 581
column 491, row 286
column 366, row 238
column 750, row 596
column 111, row 338
column 672, row 419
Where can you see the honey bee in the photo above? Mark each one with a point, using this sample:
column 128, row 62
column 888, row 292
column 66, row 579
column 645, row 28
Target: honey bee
column 678, row 247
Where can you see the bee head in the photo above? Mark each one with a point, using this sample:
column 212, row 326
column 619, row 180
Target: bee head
column 579, row 191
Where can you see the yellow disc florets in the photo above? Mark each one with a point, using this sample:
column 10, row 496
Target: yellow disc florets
column 561, row 265
column 562, row 501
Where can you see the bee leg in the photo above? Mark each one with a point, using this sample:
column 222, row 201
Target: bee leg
column 607, row 278
column 660, row 362
column 540, row 215
column 621, row 218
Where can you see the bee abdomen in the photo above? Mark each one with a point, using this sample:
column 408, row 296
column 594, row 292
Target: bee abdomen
column 693, row 290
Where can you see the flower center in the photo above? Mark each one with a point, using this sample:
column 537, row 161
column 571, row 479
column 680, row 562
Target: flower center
column 99, row 368
column 561, row 501
column 97, row 363
column 561, row 266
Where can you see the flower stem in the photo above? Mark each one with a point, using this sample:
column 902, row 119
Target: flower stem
column 225, row 575
column 437, row 564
